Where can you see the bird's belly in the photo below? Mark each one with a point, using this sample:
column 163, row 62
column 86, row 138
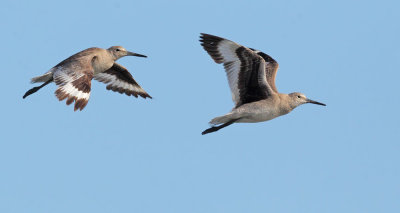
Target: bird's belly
column 100, row 69
column 257, row 117
column 259, row 111
column 100, row 66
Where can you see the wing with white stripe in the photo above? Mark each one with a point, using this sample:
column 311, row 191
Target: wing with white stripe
column 244, row 68
column 118, row 79
column 73, row 85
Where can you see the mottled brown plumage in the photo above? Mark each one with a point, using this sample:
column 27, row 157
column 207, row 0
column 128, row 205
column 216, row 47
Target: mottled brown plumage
column 73, row 75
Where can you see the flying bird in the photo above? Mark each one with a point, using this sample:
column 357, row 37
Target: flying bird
column 251, row 76
column 74, row 75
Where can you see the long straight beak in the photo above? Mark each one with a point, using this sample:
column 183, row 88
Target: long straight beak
column 315, row 102
column 135, row 54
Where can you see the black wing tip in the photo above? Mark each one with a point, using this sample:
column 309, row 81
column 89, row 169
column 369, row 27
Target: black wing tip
column 204, row 37
column 209, row 40
column 210, row 44
column 137, row 94
column 128, row 92
column 145, row 96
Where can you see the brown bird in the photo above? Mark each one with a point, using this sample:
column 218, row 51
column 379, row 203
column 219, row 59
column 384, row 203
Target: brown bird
column 74, row 75
column 251, row 76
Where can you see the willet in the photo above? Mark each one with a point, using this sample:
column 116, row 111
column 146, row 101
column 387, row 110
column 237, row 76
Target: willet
column 73, row 76
column 251, row 76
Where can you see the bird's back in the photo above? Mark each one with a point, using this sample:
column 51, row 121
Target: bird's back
column 79, row 58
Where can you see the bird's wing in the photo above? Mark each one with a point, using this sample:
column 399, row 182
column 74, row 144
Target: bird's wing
column 271, row 67
column 245, row 69
column 118, row 79
column 73, row 79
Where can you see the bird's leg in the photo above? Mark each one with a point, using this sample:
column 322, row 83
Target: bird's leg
column 216, row 128
column 35, row 89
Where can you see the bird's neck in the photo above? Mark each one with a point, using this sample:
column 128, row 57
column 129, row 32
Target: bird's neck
column 112, row 55
column 102, row 62
column 286, row 105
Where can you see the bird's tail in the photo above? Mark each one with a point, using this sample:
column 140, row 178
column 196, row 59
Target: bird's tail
column 221, row 119
column 43, row 78
column 216, row 128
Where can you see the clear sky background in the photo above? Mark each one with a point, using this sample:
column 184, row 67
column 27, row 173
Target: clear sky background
column 122, row 154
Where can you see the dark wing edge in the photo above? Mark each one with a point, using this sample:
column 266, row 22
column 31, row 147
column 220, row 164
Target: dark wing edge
column 252, row 81
column 271, row 68
column 210, row 44
column 118, row 79
column 245, row 68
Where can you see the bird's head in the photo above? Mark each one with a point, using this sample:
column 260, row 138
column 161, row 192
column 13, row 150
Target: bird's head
column 119, row 52
column 297, row 99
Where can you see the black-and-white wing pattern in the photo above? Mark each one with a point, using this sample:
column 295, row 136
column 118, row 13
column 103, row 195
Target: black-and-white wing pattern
column 252, row 81
column 73, row 85
column 118, row 79
column 246, row 70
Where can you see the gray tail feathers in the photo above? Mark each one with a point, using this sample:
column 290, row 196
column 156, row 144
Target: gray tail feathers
column 43, row 78
column 221, row 119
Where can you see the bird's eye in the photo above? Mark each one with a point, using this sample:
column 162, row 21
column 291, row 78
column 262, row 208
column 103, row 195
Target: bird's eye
column 117, row 50
column 298, row 96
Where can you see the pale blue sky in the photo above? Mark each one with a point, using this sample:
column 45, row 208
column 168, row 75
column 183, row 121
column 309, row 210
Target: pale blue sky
column 122, row 154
